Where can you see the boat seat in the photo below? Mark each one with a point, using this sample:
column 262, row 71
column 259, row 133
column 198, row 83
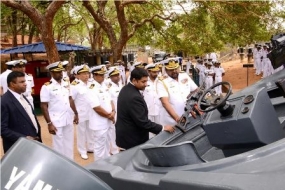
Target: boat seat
column 180, row 154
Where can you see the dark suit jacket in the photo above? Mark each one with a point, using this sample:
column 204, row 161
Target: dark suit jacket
column 15, row 122
column 133, row 125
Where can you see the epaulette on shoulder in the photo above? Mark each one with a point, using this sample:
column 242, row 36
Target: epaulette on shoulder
column 74, row 82
column 92, row 86
column 182, row 72
column 162, row 77
column 48, row 83
column 30, row 74
column 109, row 85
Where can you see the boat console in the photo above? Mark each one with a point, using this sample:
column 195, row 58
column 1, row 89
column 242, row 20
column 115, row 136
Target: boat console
column 251, row 123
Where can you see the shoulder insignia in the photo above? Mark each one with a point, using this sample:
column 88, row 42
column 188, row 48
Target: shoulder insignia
column 162, row 77
column 66, row 79
column 74, row 82
column 92, row 86
column 182, row 72
column 109, row 85
column 47, row 83
column 30, row 74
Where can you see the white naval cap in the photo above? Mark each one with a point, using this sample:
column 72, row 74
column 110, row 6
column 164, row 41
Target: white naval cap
column 209, row 63
column 81, row 68
column 138, row 65
column 55, row 67
column 172, row 63
column 100, row 69
column 113, row 71
column 161, row 63
column 64, row 63
column 72, row 71
column 17, row 62
column 152, row 67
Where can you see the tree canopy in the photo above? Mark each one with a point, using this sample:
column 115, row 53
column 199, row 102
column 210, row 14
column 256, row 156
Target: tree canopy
column 204, row 27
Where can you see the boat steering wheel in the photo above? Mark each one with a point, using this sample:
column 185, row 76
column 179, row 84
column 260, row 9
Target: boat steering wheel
column 212, row 101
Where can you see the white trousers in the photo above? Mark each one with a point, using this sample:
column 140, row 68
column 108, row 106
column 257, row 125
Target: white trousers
column 209, row 82
column 101, row 144
column 218, row 89
column 84, row 137
column 201, row 79
column 63, row 141
column 258, row 67
column 254, row 62
column 112, row 139
column 153, row 118
column 268, row 69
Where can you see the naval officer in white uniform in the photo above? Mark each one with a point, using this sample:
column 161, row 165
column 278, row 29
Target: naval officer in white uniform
column 173, row 92
column 58, row 109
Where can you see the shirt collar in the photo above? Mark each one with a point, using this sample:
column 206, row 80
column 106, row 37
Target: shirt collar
column 17, row 96
column 54, row 81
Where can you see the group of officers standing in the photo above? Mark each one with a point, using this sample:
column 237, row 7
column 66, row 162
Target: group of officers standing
column 262, row 63
column 210, row 72
column 90, row 102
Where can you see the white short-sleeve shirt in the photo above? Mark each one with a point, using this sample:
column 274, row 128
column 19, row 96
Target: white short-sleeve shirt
column 98, row 95
column 3, row 77
column 114, row 91
column 219, row 71
column 177, row 92
column 57, row 96
column 78, row 90
column 30, row 84
column 151, row 98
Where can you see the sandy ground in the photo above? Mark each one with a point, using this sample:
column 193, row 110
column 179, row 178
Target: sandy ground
column 235, row 74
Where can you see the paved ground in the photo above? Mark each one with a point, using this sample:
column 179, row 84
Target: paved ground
column 235, row 74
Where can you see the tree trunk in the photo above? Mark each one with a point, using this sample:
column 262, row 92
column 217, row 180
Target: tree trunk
column 42, row 21
column 14, row 28
column 50, row 47
column 31, row 34
column 48, row 40
column 117, row 52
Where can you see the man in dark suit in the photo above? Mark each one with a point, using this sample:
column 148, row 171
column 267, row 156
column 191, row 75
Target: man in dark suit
column 17, row 116
column 133, row 125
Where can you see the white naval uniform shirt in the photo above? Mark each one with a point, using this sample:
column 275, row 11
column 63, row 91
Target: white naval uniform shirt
column 201, row 69
column 98, row 95
column 151, row 97
column 65, row 75
column 218, row 71
column 114, row 91
column 78, row 90
column 209, row 71
column 188, row 67
column 254, row 52
column 4, row 76
column 209, row 78
column 30, row 84
column 122, row 74
column 177, row 92
column 258, row 54
column 57, row 96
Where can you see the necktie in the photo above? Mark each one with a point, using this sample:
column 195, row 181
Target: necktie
column 29, row 111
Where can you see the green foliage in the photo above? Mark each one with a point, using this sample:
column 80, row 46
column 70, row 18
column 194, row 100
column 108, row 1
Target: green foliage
column 207, row 27
column 211, row 25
